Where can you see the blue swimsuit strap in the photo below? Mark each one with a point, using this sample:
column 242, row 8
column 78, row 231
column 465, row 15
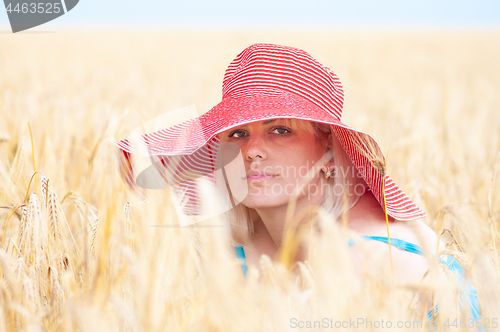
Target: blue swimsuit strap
column 401, row 244
column 240, row 254
column 469, row 294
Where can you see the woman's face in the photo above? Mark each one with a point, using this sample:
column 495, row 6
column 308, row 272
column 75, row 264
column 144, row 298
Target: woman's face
column 277, row 155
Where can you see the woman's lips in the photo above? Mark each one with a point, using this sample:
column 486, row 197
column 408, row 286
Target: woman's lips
column 259, row 177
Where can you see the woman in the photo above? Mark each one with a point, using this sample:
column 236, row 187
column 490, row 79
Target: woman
column 282, row 109
column 273, row 151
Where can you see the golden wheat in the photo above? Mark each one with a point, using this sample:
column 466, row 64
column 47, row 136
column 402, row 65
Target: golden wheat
column 104, row 258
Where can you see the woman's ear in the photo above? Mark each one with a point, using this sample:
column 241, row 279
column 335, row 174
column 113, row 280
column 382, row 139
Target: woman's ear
column 330, row 141
column 329, row 160
column 329, row 149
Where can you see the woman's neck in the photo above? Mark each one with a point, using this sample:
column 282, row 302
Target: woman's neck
column 273, row 219
column 269, row 225
column 366, row 213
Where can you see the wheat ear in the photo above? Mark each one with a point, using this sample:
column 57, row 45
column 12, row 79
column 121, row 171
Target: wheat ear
column 24, row 228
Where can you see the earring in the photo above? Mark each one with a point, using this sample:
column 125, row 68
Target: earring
column 328, row 173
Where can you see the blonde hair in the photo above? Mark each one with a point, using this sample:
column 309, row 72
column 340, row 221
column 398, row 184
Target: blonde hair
column 240, row 218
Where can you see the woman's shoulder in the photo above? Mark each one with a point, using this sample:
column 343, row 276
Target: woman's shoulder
column 408, row 266
column 366, row 218
column 415, row 232
column 418, row 233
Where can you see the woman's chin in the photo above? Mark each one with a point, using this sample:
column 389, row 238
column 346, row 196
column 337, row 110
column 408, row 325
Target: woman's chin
column 263, row 202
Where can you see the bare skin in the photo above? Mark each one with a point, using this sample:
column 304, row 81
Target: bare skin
column 367, row 218
column 266, row 146
column 284, row 154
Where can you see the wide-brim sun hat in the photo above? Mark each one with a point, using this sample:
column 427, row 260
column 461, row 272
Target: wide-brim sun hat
column 267, row 81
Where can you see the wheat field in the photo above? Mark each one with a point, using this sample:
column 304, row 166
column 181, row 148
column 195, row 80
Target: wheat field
column 82, row 252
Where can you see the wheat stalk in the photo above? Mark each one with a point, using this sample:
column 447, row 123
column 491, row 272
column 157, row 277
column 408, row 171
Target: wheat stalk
column 93, row 223
column 45, row 188
column 55, row 216
column 491, row 221
column 367, row 147
column 127, row 211
column 24, row 228
column 38, row 234
column 17, row 165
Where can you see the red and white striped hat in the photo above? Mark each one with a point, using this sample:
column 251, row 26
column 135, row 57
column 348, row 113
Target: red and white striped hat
column 268, row 81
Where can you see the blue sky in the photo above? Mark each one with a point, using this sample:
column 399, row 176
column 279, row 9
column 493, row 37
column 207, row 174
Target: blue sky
column 268, row 13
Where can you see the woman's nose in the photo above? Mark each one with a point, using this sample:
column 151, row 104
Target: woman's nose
column 256, row 148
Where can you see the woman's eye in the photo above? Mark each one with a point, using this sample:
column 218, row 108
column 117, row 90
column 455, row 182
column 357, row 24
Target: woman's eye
column 281, row 130
column 237, row 134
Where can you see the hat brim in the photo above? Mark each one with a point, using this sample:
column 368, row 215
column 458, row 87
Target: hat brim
column 192, row 137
